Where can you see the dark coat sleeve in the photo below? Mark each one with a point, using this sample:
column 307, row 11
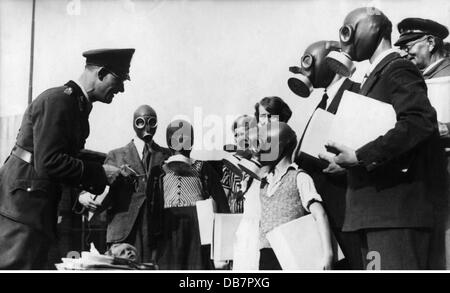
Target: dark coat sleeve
column 54, row 122
column 416, row 119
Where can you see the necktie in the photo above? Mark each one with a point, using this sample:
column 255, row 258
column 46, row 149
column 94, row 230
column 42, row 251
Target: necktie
column 146, row 157
column 323, row 102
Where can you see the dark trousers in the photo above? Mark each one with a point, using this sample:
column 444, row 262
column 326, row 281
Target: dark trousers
column 140, row 239
column 268, row 260
column 395, row 248
column 22, row 247
column 350, row 243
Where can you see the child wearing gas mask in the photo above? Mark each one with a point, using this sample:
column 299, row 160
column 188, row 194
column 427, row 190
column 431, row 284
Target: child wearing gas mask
column 246, row 251
column 175, row 189
column 286, row 193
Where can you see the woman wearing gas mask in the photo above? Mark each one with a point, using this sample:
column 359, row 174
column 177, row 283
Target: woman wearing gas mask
column 174, row 189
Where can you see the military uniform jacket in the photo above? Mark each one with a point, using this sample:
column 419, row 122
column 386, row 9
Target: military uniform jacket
column 126, row 200
column 54, row 129
column 401, row 171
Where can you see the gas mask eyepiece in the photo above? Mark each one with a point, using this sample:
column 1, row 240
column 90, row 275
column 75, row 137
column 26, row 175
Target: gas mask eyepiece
column 341, row 62
column 141, row 122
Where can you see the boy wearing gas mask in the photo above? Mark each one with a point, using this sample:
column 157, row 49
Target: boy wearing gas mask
column 391, row 179
column 314, row 73
column 126, row 201
column 175, row 187
column 286, row 193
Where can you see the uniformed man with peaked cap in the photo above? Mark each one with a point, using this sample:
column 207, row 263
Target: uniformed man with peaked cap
column 423, row 39
column 45, row 156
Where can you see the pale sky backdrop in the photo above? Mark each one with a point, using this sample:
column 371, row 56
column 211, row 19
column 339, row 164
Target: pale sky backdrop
column 220, row 56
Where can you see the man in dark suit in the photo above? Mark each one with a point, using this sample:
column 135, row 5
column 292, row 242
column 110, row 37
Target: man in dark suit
column 53, row 131
column 331, row 187
column 127, row 204
column 392, row 179
column 423, row 39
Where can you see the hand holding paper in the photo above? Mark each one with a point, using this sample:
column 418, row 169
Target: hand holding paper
column 346, row 157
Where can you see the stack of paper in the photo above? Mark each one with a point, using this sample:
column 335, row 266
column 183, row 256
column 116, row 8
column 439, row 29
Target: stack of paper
column 205, row 215
column 359, row 120
column 224, row 236
column 298, row 246
column 317, row 133
column 439, row 95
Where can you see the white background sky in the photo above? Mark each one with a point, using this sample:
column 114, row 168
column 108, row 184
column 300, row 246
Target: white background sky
column 222, row 56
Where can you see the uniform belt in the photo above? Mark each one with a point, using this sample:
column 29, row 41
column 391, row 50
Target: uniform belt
column 22, row 154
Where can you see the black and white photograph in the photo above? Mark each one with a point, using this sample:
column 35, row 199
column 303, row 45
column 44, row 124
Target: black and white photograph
column 200, row 136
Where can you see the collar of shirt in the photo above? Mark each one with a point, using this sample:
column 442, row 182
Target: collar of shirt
column 139, row 144
column 432, row 66
column 82, row 89
column 274, row 181
column 275, row 176
column 333, row 88
column 379, row 59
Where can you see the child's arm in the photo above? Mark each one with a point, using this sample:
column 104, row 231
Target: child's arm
column 311, row 200
column 321, row 218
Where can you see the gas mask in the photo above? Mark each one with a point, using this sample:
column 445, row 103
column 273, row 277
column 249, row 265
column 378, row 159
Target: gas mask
column 362, row 32
column 179, row 137
column 314, row 71
column 275, row 141
column 244, row 128
column 145, row 123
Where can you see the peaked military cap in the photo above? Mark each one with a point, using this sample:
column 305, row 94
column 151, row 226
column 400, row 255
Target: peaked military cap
column 414, row 28
column 115, row 60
